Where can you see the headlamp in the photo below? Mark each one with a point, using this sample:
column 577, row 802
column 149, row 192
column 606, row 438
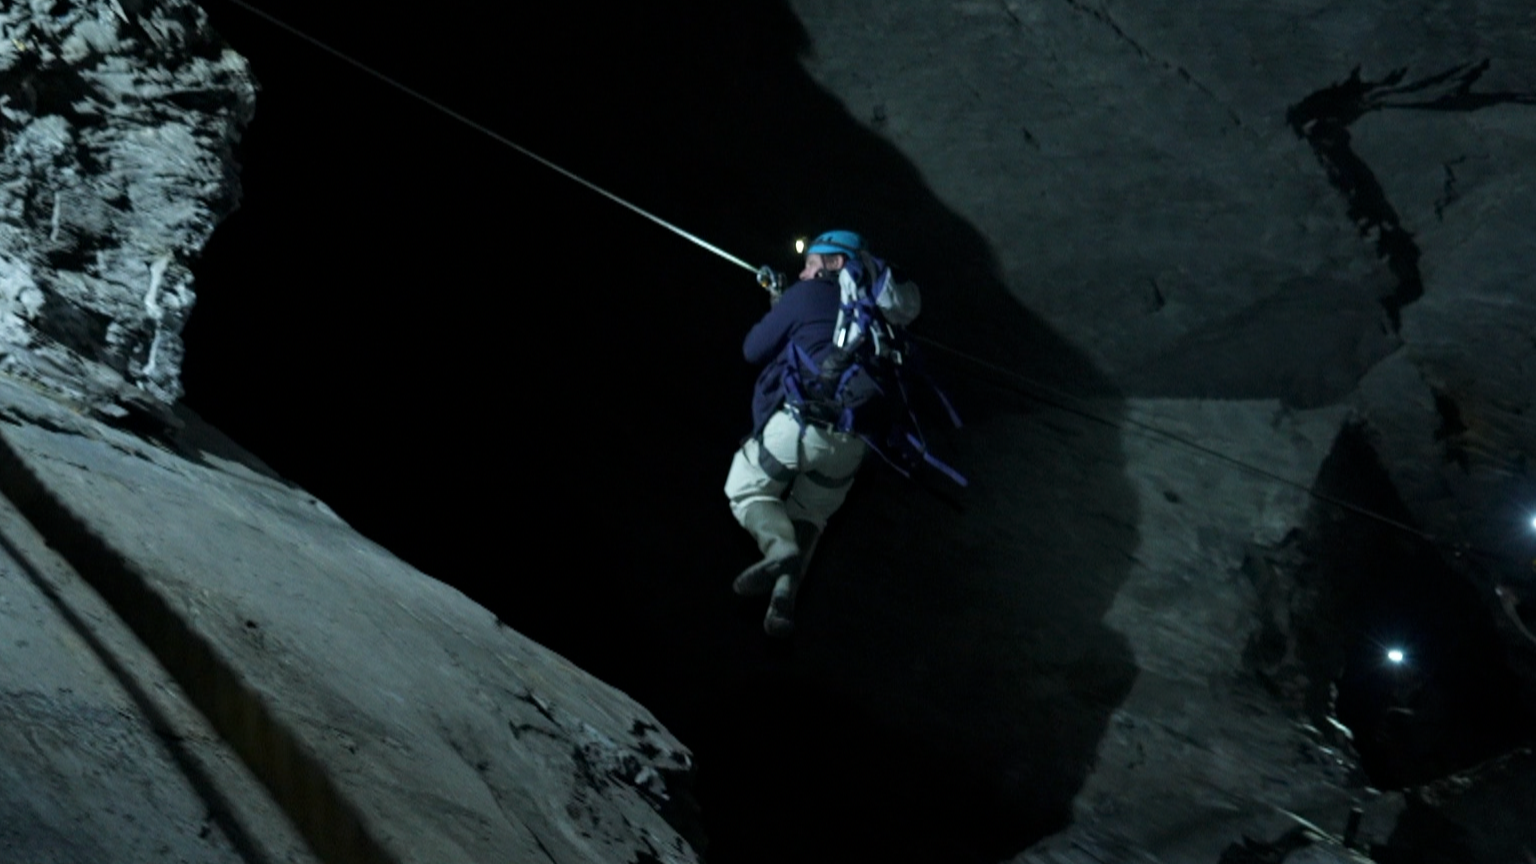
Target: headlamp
column 800, row 250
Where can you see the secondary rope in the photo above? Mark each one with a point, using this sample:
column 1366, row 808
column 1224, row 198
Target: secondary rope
column 1062, row 400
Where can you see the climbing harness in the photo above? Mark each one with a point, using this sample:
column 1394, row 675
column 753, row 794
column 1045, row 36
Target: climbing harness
column 868, row 359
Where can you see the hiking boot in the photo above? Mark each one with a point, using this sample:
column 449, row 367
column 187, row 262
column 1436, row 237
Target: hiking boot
column 759, row 579
column 775, row 535
column 780, row 620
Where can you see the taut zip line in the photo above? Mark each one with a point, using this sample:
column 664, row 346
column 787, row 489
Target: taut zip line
column 491, row 133
column 1021, row 384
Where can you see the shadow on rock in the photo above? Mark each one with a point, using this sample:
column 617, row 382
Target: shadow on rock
column 952, row 677
column 952, row 673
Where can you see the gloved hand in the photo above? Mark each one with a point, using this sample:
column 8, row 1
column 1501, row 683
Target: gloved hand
column 772, row 282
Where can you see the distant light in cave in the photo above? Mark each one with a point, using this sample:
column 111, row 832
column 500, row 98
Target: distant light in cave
column 1533, row 523
column 1395, row 656
column 800, row 250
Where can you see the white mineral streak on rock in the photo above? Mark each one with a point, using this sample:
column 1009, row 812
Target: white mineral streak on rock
column 20, row 300
column 151, row 297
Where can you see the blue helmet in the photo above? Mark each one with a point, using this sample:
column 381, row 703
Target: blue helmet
column 837, row 243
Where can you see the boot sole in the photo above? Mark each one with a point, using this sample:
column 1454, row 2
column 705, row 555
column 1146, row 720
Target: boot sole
column 760, row 578
column 780, row 620
column 778, row 626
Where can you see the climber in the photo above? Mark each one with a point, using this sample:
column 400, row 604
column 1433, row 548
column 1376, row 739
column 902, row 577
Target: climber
column 795, row 470
column 832, row 389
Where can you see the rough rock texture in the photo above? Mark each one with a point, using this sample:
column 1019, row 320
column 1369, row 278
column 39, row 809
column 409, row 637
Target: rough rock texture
column 117, row 120
column 203, row 662
column 1310, row 212
column 1478, row 815
column 1095, row 664
column 1286, row 232
column 389, row 717
column 101, row 754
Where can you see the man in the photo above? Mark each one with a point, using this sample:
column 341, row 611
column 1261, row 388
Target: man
column 795, row 470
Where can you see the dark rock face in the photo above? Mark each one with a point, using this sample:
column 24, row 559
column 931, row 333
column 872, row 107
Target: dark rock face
column 1311, row 206
column 117, row 121
column 1477, row 815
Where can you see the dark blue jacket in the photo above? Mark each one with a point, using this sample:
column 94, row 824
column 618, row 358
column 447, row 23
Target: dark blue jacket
column 806, row 314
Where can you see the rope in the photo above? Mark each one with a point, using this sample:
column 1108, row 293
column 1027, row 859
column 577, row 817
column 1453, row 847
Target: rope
column 491, row 133
column 1057, row 399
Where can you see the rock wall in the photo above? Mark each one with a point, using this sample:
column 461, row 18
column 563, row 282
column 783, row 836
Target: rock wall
column 1262, row 226
column 204, row 662
column 1268, row 229
column 117, row 120
column 387, row 717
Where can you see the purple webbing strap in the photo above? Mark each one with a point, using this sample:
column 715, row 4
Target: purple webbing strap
column 954, row 416
column 928, row 457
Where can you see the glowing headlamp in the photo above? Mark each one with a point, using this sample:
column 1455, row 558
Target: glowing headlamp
column 800, row 250
column 1396, row 656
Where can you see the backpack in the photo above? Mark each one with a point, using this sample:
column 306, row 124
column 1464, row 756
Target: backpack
column 867, row 370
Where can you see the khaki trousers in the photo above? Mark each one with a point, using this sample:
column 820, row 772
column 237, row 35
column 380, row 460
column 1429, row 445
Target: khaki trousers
column 808, row 474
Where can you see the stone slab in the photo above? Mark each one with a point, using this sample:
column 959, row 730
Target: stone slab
column 101, row 757
column 391, row 717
